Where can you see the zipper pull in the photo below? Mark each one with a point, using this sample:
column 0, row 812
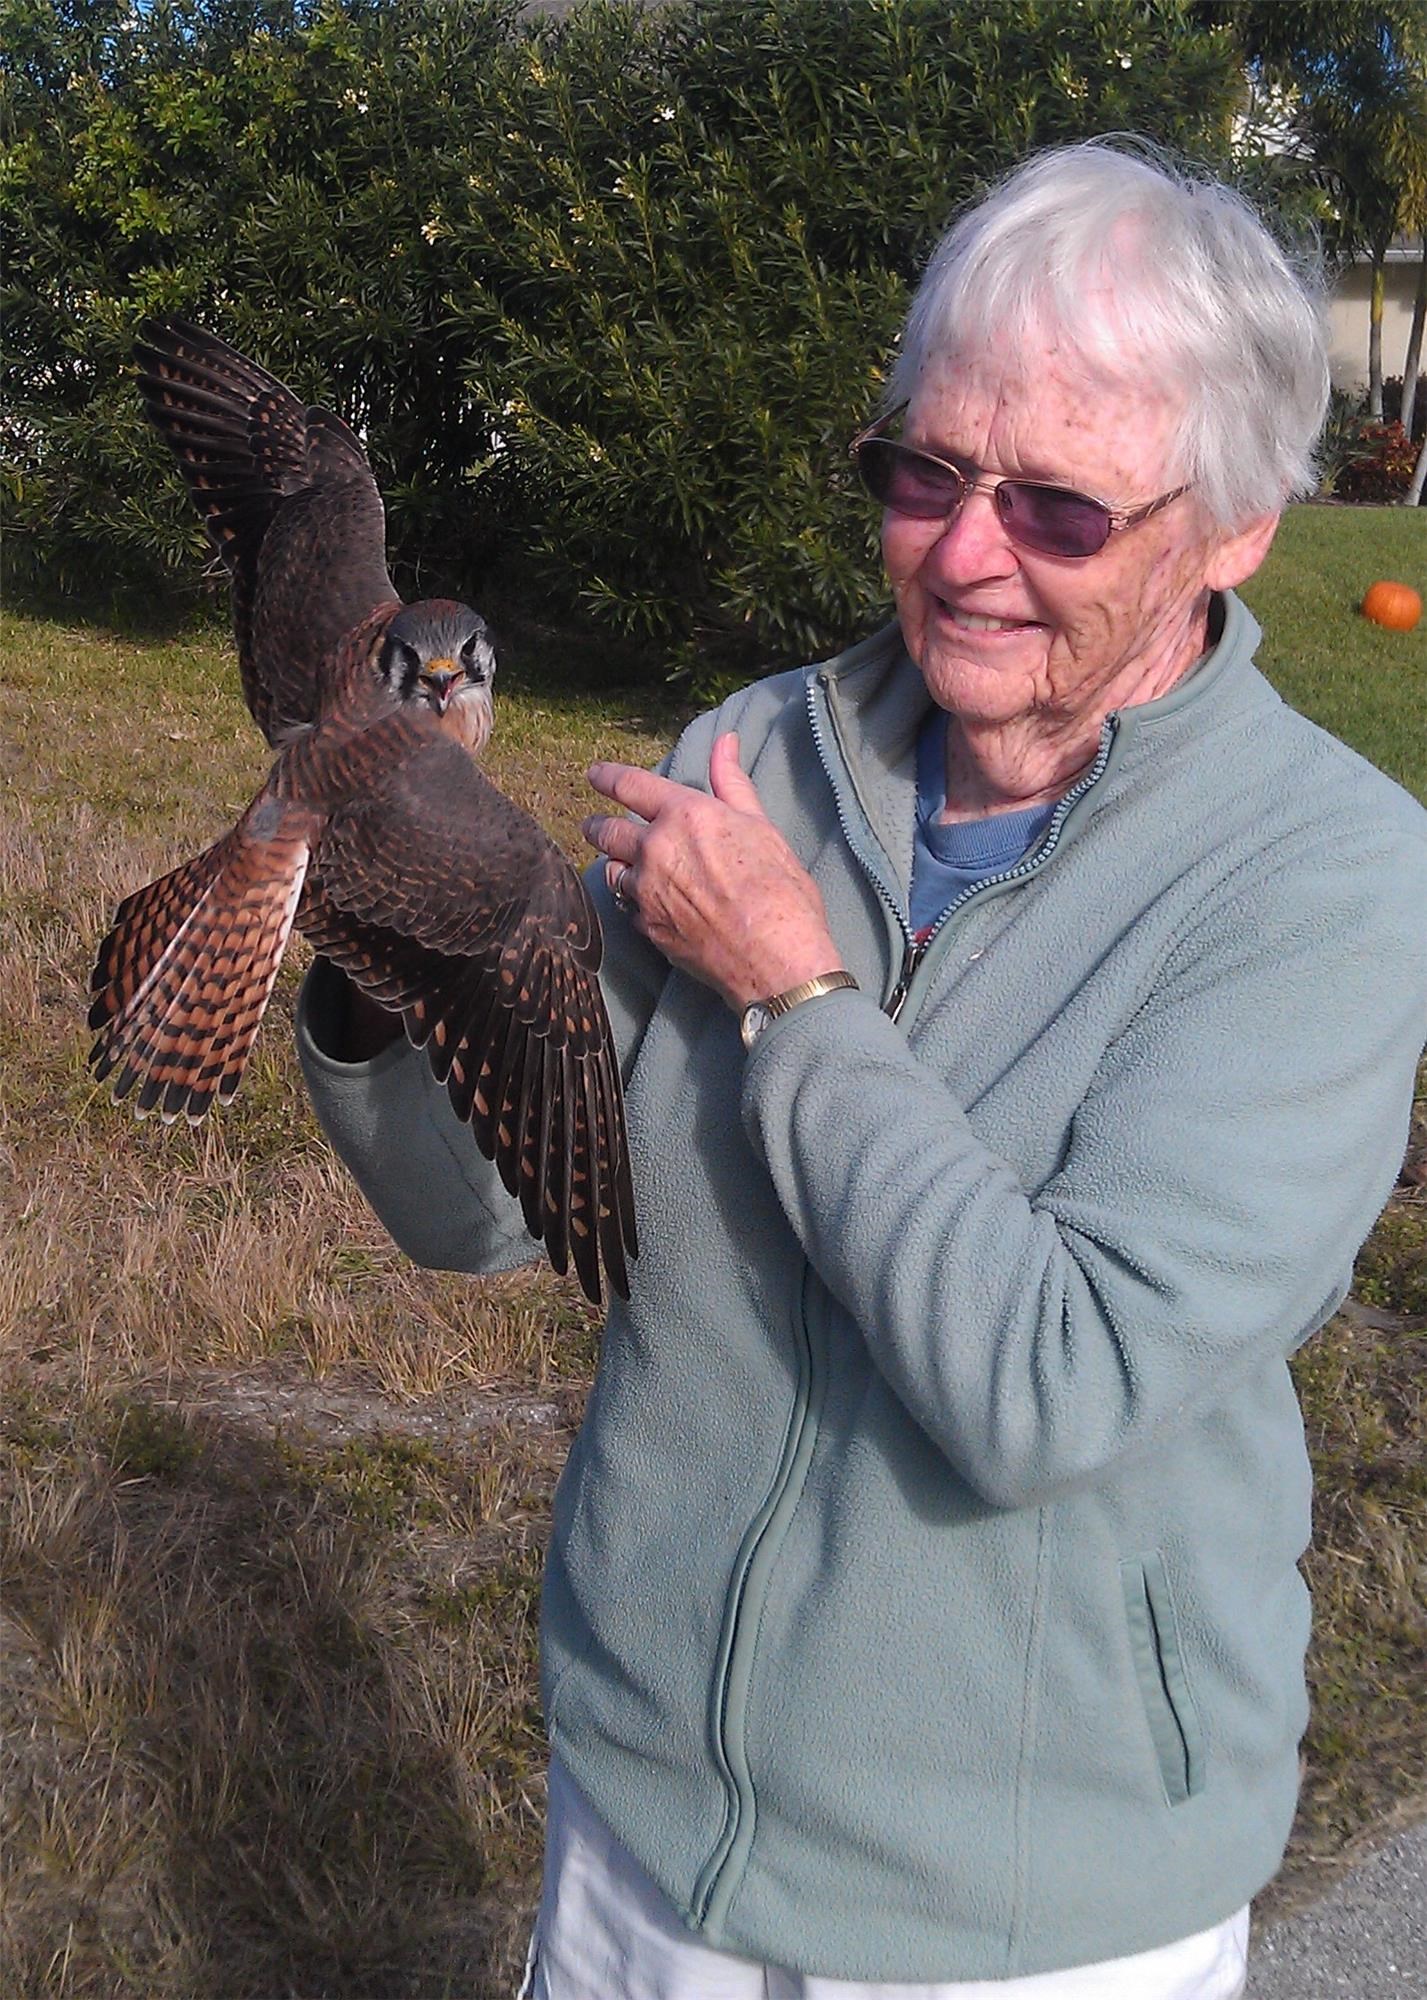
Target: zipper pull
column 911, row 959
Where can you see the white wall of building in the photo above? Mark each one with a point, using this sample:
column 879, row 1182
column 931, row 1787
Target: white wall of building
column 1348, row 316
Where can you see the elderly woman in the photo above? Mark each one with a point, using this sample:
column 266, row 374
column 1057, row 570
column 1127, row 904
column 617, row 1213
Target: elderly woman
column 1019, row 1015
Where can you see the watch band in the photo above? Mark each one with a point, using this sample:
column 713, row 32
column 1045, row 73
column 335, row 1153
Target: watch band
column 755, row 1018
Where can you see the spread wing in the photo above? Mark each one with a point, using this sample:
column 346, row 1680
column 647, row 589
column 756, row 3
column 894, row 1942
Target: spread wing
column 445, row 900
column 289, row 503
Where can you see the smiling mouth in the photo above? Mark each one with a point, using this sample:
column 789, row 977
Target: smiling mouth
column 971, row 621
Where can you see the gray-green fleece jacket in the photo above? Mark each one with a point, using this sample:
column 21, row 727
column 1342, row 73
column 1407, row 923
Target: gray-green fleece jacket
column 922, row 1601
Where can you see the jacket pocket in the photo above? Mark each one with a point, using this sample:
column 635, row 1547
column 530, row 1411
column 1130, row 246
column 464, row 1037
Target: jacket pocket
column 1159, row 1670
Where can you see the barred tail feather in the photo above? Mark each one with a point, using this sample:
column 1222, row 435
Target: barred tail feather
column 182, row 981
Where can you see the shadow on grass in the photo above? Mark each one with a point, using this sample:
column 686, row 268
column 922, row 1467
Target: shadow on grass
column 239, row 1761
column 145, row 617
column 541, row 656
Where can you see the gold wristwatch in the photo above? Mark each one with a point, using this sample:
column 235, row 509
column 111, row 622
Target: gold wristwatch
column 755, row 1018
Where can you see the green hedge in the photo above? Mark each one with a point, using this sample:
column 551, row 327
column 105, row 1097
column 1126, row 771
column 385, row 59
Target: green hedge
column 606, row 295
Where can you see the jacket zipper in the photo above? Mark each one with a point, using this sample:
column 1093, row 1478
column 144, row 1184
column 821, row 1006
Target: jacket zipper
column 850, row 834
column 915, row 949
column 713, row 1883
column 807, row 1394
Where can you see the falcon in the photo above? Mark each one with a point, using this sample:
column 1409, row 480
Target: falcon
column 376, row 833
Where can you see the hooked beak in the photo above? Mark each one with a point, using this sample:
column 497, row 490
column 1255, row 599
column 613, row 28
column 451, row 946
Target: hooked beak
column 441, row 680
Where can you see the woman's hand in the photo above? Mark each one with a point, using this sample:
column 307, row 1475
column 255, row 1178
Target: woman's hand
column 711, row 881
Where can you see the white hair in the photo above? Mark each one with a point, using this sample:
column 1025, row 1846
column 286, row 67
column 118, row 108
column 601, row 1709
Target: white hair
column 1201, row 299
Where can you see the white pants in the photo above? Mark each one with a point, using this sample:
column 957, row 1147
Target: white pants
column 605, row 1932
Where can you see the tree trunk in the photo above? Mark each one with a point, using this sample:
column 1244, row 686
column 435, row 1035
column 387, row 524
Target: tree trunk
column 1413, row 496
column 1412, row 365
column 1379, row 293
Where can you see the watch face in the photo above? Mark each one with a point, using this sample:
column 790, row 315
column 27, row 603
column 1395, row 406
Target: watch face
column 755, row 1020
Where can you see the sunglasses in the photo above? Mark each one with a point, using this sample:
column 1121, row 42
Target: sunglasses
column 1052, row 520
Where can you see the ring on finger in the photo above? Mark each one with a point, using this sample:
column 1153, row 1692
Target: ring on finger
column 623, row 900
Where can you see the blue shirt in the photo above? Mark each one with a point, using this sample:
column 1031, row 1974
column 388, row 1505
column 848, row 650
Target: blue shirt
column 946, row 860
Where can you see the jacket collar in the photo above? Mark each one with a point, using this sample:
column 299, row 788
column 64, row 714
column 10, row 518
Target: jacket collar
column 875, row 701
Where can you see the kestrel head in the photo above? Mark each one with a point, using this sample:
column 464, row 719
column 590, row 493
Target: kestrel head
column 440, row 652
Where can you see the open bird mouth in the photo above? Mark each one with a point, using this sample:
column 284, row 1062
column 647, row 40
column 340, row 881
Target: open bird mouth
column 440, row 685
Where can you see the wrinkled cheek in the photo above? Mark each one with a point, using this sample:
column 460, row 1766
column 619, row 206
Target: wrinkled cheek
column 913, row 603
column 903, row 553
column 1173, row 579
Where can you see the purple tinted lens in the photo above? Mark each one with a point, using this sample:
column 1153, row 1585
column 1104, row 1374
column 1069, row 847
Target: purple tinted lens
column 1051, row 518
column 907, row 481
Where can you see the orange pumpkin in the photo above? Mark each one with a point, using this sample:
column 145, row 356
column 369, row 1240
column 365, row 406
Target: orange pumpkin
column 1395, row 605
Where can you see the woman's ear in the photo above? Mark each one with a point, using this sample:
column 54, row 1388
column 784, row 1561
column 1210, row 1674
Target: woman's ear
column 1239, row 554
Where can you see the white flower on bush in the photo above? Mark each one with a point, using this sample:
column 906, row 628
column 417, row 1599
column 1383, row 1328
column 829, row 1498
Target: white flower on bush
column 433, row 229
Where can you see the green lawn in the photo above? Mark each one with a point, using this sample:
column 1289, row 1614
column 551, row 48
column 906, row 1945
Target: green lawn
column 1366, row 685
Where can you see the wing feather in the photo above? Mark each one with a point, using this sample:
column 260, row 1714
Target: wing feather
column 289, row 502
column 449, row 904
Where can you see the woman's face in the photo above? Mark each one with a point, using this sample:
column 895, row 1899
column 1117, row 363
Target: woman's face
column 1003, row 634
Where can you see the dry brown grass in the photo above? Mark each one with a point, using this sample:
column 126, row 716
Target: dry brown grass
column 157, row 1248
column 1363, row 1381
column 272, row 1502
column 258, row 1738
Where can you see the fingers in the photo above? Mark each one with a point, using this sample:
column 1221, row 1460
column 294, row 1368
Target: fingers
column 642, row 792
column 729, row 782
column 652, row 798
column 619, row 841
column 614, row 837
column 646, row 793
column 708, row 878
